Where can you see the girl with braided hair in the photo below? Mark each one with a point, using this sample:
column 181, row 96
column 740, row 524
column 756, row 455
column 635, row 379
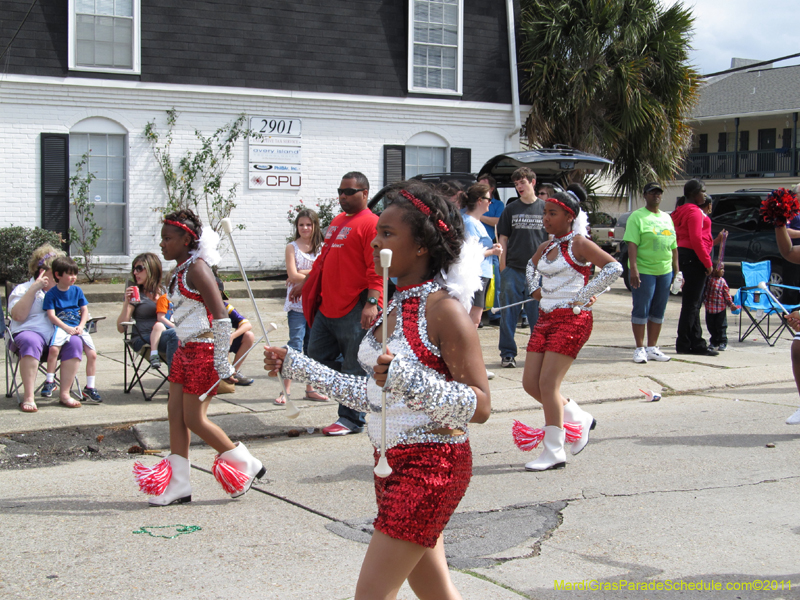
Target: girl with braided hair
column 204, row 331
column 435, row 383
column 558, row 276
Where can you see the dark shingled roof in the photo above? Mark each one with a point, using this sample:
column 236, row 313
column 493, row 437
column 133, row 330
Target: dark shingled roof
column 750, row 92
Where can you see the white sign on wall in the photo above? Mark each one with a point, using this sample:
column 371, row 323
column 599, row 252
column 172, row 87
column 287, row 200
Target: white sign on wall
column 274, row 155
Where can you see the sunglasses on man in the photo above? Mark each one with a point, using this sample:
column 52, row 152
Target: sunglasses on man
column 349, row 191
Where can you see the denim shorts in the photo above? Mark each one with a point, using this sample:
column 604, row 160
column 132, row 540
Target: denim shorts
column 650, row 298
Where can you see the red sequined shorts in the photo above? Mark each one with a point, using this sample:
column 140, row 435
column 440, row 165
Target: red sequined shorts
column 561, row 331
column 193, row 367
column 427, row 482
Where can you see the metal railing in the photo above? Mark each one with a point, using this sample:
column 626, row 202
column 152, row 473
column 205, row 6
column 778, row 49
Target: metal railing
column 751, row 163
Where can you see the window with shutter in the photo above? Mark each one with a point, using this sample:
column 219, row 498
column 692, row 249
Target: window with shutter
column 55, row 183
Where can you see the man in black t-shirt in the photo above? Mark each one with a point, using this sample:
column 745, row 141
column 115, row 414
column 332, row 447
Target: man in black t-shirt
column 520, row 231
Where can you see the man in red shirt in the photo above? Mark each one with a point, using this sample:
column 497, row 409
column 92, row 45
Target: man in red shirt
column 351, row 292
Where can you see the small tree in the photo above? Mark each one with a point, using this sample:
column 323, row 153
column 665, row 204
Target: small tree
column 85, row 238
column 196, row 177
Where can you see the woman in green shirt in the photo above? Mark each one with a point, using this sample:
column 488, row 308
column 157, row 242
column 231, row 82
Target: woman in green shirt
column 653, row 257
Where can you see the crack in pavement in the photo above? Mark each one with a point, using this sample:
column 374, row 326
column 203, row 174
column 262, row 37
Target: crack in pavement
column 685, row 490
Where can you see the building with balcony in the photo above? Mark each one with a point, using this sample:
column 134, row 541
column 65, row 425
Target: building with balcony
column 745, row 132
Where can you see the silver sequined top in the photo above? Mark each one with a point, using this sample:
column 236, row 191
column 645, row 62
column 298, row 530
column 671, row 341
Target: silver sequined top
column 419, row 398
column 560, row 281
column 190, row 314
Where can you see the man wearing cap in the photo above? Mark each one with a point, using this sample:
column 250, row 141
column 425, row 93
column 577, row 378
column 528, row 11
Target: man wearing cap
column 653, row 262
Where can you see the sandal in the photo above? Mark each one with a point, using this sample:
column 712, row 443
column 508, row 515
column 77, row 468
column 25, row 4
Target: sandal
column 28, row 406
column 280, row 400
column 70, row 403
column 314, row 395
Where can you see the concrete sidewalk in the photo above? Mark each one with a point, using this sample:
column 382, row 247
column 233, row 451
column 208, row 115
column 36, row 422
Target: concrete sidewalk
column 677, row 491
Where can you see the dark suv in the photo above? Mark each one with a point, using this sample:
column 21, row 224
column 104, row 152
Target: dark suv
column 750, row 239
column 549, row 164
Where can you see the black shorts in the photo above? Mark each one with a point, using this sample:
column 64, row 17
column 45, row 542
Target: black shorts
column 479, row 299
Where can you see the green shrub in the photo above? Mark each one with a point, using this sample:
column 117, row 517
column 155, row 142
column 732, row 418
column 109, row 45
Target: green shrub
column 16, row 246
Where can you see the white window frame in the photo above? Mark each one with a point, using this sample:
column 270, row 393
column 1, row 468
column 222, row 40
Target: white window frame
column 137, row 43
column 459, row 56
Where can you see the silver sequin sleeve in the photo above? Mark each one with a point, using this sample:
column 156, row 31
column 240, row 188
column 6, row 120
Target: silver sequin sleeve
column 447, row 403
column 599, row 282
column 221, row 328
column 350, row 390
column 533, row 277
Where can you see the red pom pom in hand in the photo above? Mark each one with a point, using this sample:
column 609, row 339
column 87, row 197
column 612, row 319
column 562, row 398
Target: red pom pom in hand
column 780, row 207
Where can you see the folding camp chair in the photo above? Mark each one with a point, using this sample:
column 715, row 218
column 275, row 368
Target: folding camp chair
column 764, row 315
column 139, row 363
column 13, row 385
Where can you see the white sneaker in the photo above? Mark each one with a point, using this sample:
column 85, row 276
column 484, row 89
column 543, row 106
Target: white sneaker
column 640, row 355
column 794, row 419
column 653, row 353
column 489, row 374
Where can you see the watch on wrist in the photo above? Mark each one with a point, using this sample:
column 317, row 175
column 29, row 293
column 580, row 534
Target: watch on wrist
column 373, row 301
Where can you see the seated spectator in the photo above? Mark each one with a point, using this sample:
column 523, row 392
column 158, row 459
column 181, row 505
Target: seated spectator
column 242, row 337
column 146, row 281
column 31, row 330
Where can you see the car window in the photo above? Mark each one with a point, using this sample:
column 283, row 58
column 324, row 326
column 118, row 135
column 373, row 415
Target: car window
column 741, row 212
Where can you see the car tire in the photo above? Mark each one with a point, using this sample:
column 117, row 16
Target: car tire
column 776, row 277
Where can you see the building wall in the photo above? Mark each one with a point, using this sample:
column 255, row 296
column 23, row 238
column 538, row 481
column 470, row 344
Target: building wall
column 340, row 133
column 343, row 46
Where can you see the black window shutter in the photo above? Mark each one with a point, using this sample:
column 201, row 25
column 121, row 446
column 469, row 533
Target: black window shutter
column 55, row 182
column 460, row 160
column 394, row 164
column 722, row 142
column 744, row 141
column 703, row 143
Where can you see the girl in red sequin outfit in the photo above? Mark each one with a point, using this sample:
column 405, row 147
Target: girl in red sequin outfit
column 204, row 331
column 435, row 382
column 558, row 276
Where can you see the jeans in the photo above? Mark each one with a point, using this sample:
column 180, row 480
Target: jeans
column 299, row 331
column 690, row 331
column 331, row 337
column 514, row 288
column 167, row 344
column 650, row 298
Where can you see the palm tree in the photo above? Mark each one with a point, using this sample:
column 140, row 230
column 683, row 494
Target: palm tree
column 610, row 77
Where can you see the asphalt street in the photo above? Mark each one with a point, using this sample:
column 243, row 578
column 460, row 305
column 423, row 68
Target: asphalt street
column 699, row 490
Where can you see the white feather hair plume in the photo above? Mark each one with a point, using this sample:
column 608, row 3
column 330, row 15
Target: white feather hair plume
column 463, row 278
column 207, row 248
column 581, row 223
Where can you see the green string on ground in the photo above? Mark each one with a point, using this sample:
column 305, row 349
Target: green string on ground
column 179, row 530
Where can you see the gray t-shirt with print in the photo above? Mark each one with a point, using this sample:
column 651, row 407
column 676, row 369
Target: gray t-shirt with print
column 522, row 224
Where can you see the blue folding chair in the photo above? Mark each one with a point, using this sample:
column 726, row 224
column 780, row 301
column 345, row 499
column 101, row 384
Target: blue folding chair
column 765, row 315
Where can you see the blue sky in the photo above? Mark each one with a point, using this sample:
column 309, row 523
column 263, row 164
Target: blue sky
column 761, row 29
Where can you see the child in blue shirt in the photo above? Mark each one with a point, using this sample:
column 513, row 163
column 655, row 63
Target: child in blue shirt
column 67, row 309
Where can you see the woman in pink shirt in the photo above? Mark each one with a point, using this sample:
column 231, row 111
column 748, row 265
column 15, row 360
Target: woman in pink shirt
column 693, row 231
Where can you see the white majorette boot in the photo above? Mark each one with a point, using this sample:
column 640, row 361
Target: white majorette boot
column 575, row 414
column 236, row 469
column 167, row 481
column 553, row 455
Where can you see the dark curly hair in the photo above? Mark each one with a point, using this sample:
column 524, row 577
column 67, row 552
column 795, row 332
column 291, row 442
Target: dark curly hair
column 443, row 248
column 191, row 220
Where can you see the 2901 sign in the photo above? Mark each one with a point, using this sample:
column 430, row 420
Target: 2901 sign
column 271, row 126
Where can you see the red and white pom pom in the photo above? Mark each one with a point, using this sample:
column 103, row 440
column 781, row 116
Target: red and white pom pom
column 573, row 432
column 154, row 480
column 230, row 478
column 526, row 438
column 780, row 207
